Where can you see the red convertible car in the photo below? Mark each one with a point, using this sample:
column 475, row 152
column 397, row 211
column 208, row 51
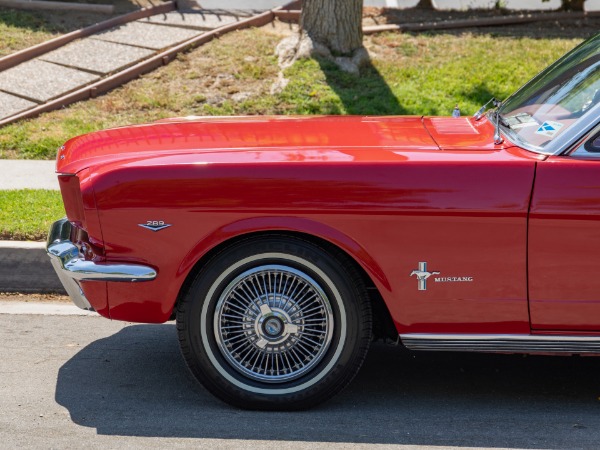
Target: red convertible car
column 283, row 245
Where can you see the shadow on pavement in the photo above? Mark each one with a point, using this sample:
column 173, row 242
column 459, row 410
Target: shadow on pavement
column 134, row 383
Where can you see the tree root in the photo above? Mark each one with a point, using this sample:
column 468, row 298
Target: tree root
column 302, row 46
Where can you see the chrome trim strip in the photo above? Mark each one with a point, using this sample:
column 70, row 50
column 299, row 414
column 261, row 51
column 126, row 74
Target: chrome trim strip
column 564, row 141
column 72, row 287
column 515, row 343
column 60, row 231
column 71, row 268
column 79, row 269
column 579, row 151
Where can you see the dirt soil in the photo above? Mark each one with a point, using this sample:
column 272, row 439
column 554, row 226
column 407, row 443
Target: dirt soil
column 566, row 28
column 34, row 298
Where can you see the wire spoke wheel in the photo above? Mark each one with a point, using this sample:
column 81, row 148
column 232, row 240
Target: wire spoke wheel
column 273, row 323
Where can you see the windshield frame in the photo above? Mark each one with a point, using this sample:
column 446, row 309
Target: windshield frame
column 564, row 140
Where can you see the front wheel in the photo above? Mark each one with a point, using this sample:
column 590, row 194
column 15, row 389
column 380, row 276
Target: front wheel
column 275, row 323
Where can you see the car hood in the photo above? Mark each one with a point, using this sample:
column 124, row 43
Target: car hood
column 462, row 133
column 227, row 136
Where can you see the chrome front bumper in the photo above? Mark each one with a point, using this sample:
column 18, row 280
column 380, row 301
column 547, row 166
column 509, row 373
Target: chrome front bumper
column 71, row 268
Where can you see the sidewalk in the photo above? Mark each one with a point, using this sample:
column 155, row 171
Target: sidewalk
column 90, row 65
column 27, row 174
column 24, row 266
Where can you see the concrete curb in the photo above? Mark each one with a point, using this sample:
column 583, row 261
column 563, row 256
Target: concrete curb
column 43, row 309
column 25, row 267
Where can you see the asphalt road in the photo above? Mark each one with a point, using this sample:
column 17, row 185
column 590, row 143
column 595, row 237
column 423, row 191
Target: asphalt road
column 81, row 381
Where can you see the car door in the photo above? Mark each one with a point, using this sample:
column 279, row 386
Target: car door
column 564, row 241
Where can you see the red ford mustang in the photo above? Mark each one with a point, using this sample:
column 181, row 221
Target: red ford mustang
column 282, row 245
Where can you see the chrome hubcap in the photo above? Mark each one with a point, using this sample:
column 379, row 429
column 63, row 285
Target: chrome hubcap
column 273, row 327
column 273, row 323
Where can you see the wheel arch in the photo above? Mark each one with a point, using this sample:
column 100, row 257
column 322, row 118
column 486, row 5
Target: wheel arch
column 334, row 242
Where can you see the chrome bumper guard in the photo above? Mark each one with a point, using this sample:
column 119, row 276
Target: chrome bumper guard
column 71, row 268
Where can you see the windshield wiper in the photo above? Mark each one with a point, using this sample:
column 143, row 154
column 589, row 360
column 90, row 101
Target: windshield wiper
column 479, row 114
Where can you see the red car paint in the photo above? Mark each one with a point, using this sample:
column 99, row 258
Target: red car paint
column 564, row 246
column 389, row 191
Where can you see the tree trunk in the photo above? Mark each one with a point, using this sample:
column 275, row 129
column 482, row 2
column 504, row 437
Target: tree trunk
column 336, row 24
column 572, row 5
column 425, row 4
column 330, row 29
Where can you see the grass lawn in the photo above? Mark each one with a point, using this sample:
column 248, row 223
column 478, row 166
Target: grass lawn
column 409, row 74
column 27, row 214
column 22, row 29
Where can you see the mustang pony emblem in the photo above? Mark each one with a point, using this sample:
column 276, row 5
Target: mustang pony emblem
column 422, row 275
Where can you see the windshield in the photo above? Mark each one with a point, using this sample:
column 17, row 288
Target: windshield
column 556, row 99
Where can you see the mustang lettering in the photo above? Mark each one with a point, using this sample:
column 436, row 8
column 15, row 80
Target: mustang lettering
column 452, row 279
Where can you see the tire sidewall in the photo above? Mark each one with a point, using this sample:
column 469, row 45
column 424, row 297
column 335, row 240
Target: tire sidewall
column 216, row 373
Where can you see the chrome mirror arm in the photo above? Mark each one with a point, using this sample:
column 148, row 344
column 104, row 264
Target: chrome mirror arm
column 497, row 136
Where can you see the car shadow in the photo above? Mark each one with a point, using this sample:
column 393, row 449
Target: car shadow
column 134, row 383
